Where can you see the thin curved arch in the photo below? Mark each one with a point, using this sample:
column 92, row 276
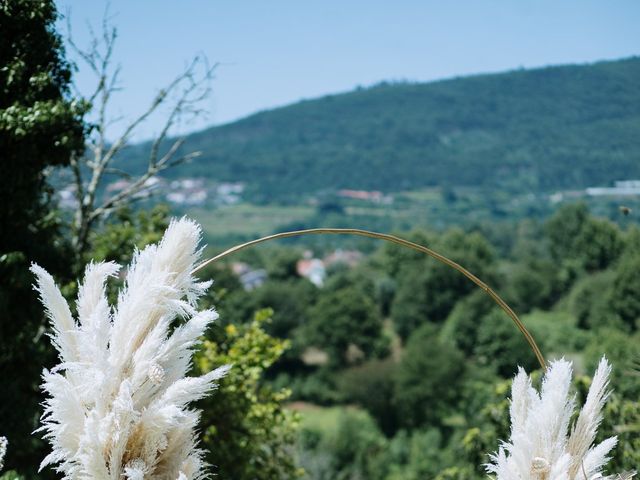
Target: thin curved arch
column 398, row 241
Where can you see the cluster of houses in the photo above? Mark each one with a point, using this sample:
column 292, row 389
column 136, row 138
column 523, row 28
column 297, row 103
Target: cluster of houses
column 621, row 188
column 315, row 269
column 312, row 268
column 373, row 196
column 183, row 192
column 197, row 192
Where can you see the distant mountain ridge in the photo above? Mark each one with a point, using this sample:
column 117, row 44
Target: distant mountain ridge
column 560, row 127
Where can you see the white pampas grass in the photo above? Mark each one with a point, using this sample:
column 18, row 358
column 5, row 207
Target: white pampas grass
column 542, row 446
column 117, row 403
column 3, row 450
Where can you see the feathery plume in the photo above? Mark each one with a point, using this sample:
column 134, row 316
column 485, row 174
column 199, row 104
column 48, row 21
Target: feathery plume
column 117, row 403
column 3, row 450
column 542, row 445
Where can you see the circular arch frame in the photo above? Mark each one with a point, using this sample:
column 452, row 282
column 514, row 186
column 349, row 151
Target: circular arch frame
column 398, row 241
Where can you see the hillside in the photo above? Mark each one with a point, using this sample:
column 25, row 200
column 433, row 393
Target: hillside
column 524, row 131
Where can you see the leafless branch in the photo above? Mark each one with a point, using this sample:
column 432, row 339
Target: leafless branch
column 183, row 96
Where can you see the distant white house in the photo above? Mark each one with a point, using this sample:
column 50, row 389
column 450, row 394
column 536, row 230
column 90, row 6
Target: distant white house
column 197, row 197
column 622, row 188
column 369, row 196
column 249, row 277
column 228, row 188
column 312, row 269
column 315, row 269
column 229, row 193
column 253, row 279
column 187, row 191
column 350, row 258
column 628, row 184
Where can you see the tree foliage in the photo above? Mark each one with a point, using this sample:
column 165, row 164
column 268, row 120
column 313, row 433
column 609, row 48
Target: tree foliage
column 525, row 131
column 582, row 241
column 40, row 127
column 427, row 380
column 343, row 318
column 625, row 293
column 246, row 429
column 428, row 290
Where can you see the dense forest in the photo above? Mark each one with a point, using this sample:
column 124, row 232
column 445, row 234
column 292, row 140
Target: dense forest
column 566, row 127
column 417, row 360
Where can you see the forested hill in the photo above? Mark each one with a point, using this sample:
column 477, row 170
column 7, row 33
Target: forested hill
column 527, row 130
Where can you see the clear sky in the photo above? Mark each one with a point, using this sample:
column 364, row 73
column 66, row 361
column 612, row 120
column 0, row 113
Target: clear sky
column 277, row 52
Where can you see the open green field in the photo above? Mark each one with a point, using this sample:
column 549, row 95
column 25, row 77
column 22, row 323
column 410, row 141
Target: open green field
column 430, row 209
column 316, row 417
column 247, row 220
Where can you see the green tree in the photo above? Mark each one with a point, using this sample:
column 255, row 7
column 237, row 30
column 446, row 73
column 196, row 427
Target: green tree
column 342, row 318
column 423, row 454
column 532, row 283
column 599, row 244
column 465, row 320
column 40, row 127
column 345, row 444
column 625, row 297
column 564, row 228
column 501, row 346
column 289, row 300
column 483, row 331
column 246, row 429
column 428, row 290
column 584, row 242
column 370, row 385
column 394, row 259
column 428, row 380
column 590, row 301
column 282, row 263
column 623, row 351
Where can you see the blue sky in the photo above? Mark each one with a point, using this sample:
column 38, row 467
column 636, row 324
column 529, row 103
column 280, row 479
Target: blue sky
column 277, row 52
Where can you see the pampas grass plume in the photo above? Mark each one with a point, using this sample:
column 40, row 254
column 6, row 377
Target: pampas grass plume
column 118, row 402
column 3, row 451
column 543, row 446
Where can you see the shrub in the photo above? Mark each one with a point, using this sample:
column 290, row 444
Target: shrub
column 246, row 428
column 370, row 385
column 428, row 379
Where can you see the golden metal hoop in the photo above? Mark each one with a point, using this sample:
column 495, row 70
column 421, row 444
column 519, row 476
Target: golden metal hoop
column 399, row 241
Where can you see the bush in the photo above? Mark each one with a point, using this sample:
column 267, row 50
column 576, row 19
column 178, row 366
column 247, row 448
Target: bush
column 593, row 244
column 428, row 380
column 464, row 321
column 590, row 301
column 417, row 456
column 247, row 431
column 342, row 444
column 343, row 318
column 625, row 297
column 370, row 385
column 501, row 346
column 428, row 290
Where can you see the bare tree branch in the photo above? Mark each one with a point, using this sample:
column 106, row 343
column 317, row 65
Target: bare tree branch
column 183, row 96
